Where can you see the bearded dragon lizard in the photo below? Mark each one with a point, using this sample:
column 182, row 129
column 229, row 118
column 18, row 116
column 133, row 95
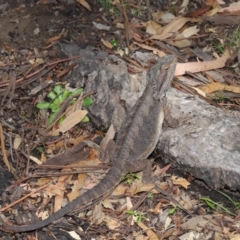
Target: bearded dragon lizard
column 136, row 140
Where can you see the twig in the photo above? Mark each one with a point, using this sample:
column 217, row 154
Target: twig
column 39, row 70
column 24, row 197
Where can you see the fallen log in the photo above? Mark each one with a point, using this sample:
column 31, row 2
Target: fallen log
column 205, row 141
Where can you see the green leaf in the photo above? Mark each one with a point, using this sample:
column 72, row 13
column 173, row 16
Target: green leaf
column 50, row 119
column 150, row 196
column 58, row 89
column 114, row 43
column 130, row 212
column 85, row 119
column 236, row 204
column 61, row 120
column 43, row 105
column 87, row 102
column 172, row 210
column 52, row 95
column 209, row 203
column 54, row 107
column 57, row 101
column 63, row 96
column 77, row 92
column 40, row 149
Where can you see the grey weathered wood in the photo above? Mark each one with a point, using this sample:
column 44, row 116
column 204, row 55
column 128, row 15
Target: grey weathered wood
column 207, row 141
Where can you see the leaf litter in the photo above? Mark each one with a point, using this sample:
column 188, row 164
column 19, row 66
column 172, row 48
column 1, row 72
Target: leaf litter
column 179, row 32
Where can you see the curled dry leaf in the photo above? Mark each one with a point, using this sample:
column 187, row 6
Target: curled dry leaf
column 107, row 44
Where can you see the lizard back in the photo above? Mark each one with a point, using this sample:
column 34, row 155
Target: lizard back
column 136, row 140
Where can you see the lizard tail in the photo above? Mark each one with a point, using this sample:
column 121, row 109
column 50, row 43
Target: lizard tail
column 106, row 185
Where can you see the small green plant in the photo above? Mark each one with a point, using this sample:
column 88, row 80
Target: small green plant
column 172, row 210
column 218, row 46
column 233, row 39
column 105, row 3
column 213, row 205
column 137, row 216
column 130, row 177
column 114, row 43
column 150, row 196
column 235, row 204
column 139, row 12
column 57, row 97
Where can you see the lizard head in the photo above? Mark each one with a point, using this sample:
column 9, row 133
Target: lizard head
column 160, row 72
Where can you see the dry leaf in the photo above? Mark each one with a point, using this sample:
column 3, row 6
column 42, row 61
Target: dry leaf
column 42, row 181
column 36, row 160
column 157, row 208
column 180, row 181
column 75, row 190
column 190, row 31
column 119, row 190
column 200, row 92
column 85, row 4
column 153, row 28
column 112, row 223
column 109, row 136
column 167, row 17
column 154, row 50
column 235, row 237
column 202, row 66
column 233, row 7
column 180, row 41
column 217, row 86
column 151, row 235
column 74, row 235
column 56, row 38
column 107, row 44
column 108, row 204
column 191, row 235
column 129, row 203
column 97, row 214
column 53, row 190
column 70, row 121
column 43, row 215
column 174, row 26
column 101, row 26
column 138, row 186
column 167, row 222
column 184, row 6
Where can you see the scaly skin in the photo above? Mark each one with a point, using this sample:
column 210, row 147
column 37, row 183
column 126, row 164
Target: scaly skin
column 137, row 139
